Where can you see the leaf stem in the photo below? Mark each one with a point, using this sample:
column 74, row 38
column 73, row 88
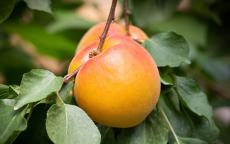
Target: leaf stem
column 59, row 100
column 170, row 126
column 126, row 15
column 107, row 25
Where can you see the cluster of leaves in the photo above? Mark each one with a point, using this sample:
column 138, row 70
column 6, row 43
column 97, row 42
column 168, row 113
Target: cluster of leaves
column 183, row 114
column 42, row 110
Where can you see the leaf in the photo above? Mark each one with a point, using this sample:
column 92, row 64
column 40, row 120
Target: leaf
column 197, row 102
column 68, row 124
column 50, row 44
column 154, row 130
column 42, row 5
column 68, row 20
column 149, row 11
column 183, row 121
column 107, row 135
column 6, row 7
column 4, row 91
column 167, row 77
column 35, row 133
column 8, row 92
column 12, row 122
column 37, row 85
column 168, row 49
column 66, row 93
column 191, row 141
column 193, row 97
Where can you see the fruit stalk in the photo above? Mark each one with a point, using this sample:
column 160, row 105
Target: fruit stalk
column 126, row 15
column 108, row 23
column 69, row 76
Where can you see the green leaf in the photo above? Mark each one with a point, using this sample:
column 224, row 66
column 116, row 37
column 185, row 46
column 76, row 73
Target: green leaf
column 68, row 124
column 107, row 135
column 42, row 5
column 12, row 122
column 6, row 7
column 197, row 102
column 4, row 91
column 193, row 97
column 66, row 93
column 154, row 130
column 183, row 121
column 167, row 77
column 35, row 132
column 37, row 85
column 149, row 11
column 8, row 91
column 50, row 44
column 68, row 20
column 168, row 49
column 191, row 141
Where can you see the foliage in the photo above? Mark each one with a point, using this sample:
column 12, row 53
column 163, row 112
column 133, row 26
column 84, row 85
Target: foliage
column 39, row 108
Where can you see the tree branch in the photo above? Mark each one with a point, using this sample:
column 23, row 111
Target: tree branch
column 108, row 23
column 126, row 15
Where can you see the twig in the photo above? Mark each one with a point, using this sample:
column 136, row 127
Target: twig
column 108, row 23
column 69, row 76
column 126, row 15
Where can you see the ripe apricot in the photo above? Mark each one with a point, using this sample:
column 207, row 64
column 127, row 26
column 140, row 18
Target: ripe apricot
column 120, row 86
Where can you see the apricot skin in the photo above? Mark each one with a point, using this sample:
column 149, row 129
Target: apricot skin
column 94, row 34
column 120, row 86
column 115, row 29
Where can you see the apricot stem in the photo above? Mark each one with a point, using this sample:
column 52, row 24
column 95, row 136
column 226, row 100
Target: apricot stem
column 70, row 75
column 107, row 25
column 126, row 15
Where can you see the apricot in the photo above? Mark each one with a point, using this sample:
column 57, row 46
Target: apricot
column 120, row 86
column 118, row 29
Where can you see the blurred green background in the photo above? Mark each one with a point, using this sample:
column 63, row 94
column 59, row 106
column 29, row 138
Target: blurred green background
column 46, row 38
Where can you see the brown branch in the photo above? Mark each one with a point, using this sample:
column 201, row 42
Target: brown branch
column 69, row 76
column 108, row 23
column 126, row 15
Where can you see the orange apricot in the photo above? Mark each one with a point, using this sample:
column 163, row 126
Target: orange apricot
column 120, row 86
